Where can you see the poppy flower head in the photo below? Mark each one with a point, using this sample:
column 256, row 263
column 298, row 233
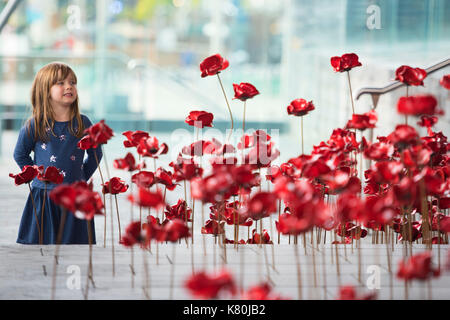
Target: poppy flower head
column 199, row 148
column 128, row 163
column 257, row 238
column 210, row 286
column 65, row 196
column 50, row 175
column 143, row 179
column 179, row 211
column 27, row 175
column 363, row 121
column 445, row 81
column 427, row 121
column 174, row 230
column 300, row 107
column 418, row 105
column 262, row 291
column 150, row 147
column 403, row 136
column 148, row 199
column 418, row 267
column 349, row 293
column 133, row 235
column 244, row 91
column 199, row 119
column 115, row 186
column 165, row 177
column 261, row 205
column 213, row 65
column 213, row 227
column 410, row 76
column 100, row 133
column 133, row 138
column 86, row 143
column 346, row 62
column 88, row 203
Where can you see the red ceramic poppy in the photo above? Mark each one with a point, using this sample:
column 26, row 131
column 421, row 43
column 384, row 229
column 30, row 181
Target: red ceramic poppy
column 213, row 65
column 143, row 179
column 445, row 81
column 148, row 199
column 403, row 136
column 213, row 227
column 165, row 177
column 86, row 143
column 410, row 76
column 115, row 186
column 134, row 137
column 349, row 293
column 261, row 155
column 379, row 208
column 27, row 175
column 199, row 148
column 206, row 286
column 88, row 202
column 346, row 62
column 444, row 203
column 128, row 163
column 218, row 186
column 300, row 107
column 179, row 211
column 256, row 238
column 222, row 149
column 174, row 230
column 363, row 121
column 427, row 121
column 417, row 267
column 418, row 105
column 50, row 175
column 65, row 196
column 185, row 169
column 150, row 147
column 262, row 291
column 244, row 91
column 261, row 205
column 100, row 133
column 379, row 151
column 199, row 119
column 291, row 224
column 133, row 235
column 245, row 142
column 416, row 156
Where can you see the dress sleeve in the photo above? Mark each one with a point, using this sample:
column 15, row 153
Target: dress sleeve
column 90, row 163
column 25, row 144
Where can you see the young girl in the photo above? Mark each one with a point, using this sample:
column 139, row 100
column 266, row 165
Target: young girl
column 52, row 133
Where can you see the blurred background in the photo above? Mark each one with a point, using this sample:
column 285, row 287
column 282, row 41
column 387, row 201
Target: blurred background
column 137, row 61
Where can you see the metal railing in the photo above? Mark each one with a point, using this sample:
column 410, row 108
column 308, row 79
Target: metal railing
column 376, row 92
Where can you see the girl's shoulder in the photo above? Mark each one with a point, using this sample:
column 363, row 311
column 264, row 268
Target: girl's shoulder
column 86, row 121
column 29, row 125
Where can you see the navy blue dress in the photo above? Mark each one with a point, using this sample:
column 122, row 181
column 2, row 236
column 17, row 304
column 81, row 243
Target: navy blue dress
column 62, row 152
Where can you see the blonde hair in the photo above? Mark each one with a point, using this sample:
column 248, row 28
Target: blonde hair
column 43, row 114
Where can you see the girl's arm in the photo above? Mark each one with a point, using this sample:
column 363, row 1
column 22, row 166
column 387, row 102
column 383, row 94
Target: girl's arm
column 24, row 146
column 90, row 163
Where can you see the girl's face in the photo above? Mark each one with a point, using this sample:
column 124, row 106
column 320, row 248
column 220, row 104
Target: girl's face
column 64, row 92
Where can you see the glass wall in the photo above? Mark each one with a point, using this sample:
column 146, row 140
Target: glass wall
column 137, row 61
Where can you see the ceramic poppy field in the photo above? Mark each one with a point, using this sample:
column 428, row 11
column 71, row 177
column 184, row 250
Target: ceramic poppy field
column 317, row 226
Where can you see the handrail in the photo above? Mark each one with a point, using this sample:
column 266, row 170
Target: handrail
column 9, row 8
column 377, row 91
